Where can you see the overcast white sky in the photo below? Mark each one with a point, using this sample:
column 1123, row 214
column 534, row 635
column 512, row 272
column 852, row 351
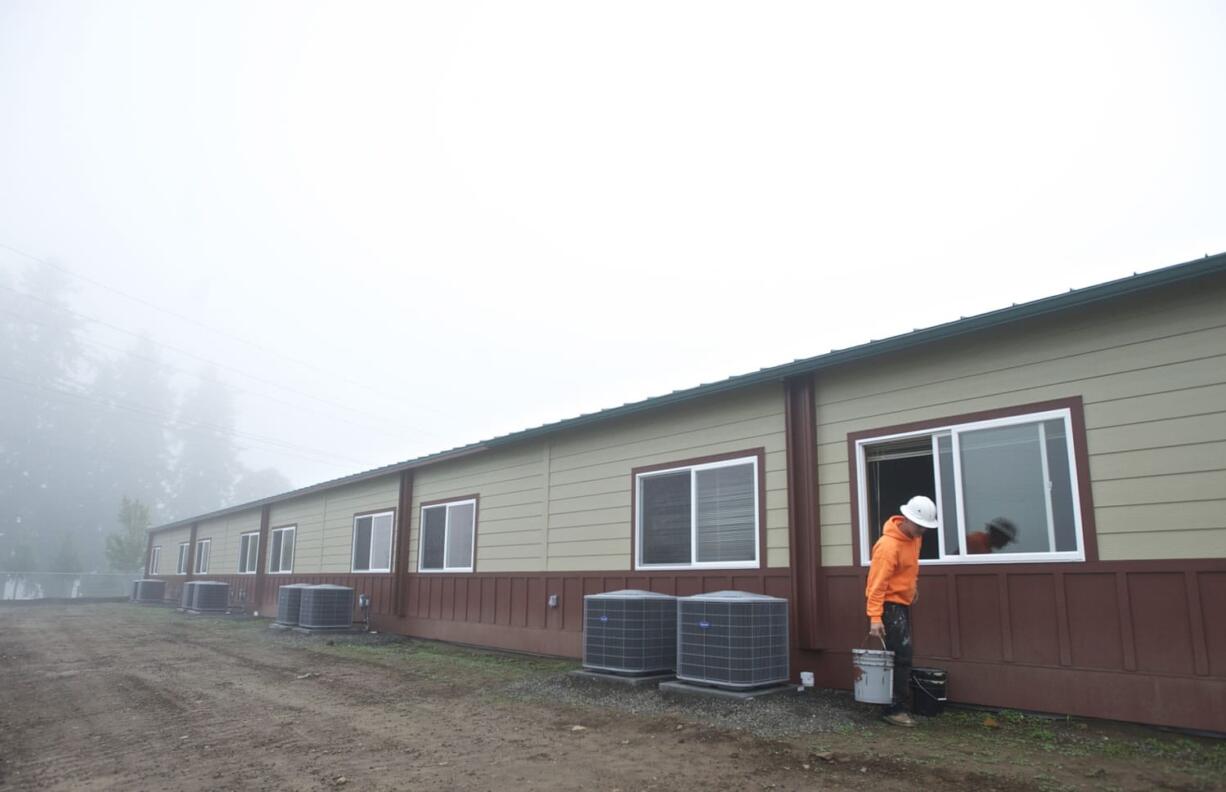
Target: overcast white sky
column 404, row 227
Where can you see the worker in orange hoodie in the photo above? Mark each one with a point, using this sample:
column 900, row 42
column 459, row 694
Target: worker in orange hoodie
column 891, row 591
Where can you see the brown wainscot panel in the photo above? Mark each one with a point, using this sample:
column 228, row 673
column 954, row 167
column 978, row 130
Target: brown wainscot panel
column 1212, row 587
column 379, row 587
column 1161, row 625
column 242, row 589
column 979, row 627
column 512, row 611
column 1094, row 621
column 1034, row 619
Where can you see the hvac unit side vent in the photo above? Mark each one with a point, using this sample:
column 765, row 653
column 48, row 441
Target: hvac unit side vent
column 732, row 639
column 289, row 603
column 211, row 596
column 187, row 600
column 148, row 590
column 630, row 632
column 326, row 608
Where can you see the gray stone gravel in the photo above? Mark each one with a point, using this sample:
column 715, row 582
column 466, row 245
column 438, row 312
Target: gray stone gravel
column 772, row 717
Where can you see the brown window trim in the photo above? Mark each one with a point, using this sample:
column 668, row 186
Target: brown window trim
column 758, row 453
column 476, row 499
column 353, row 527
column 1080, row 455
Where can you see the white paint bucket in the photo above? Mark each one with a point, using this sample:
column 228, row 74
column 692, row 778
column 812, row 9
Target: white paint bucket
column 873, row 671
column 806, row 678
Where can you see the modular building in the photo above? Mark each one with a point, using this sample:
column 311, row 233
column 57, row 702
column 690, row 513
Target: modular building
column 1094, row 420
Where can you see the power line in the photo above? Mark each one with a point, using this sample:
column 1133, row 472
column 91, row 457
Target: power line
column 187, row 372
column 193, row 321
column 209, row 361
column 273, row 444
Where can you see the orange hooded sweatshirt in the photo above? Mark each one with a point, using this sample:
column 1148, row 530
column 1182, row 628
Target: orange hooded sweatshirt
column 894, row 569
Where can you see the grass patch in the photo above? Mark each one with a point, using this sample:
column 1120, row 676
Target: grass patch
column 446, row 663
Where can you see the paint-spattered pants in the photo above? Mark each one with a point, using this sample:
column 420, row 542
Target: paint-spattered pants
column 897, row 621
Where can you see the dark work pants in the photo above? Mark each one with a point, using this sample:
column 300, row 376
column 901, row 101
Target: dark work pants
column 897, row 621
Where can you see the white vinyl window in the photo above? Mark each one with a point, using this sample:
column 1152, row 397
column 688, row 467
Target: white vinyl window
column 1019, row 471
column 248, row 553
column 372, row 542
column 699, row 516
column 181, row 568
column 281, row 550
column 155, row 559
column 448, row 532
column 202, row 556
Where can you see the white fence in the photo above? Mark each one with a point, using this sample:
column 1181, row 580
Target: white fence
column 64, row 585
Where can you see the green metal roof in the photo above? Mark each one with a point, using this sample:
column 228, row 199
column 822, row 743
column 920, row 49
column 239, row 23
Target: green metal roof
column 1074, row 298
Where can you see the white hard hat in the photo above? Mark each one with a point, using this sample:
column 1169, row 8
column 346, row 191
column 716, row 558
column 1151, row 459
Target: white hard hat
column 921, row 511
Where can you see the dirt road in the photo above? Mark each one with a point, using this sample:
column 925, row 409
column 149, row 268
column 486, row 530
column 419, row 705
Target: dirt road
column 132, row 698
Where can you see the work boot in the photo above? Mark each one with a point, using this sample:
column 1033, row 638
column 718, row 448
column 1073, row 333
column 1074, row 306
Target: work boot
column 899, row 719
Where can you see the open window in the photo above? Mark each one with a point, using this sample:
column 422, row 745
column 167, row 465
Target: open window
column 1006, row 489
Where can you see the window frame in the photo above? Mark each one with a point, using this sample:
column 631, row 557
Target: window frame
column 756, row 457
column 184, row 552
column 391, row 552
column 1067, row 410
column 281, row 529
column 155, row 559
column 202, row 569
column 251, row 537
column 421, row 534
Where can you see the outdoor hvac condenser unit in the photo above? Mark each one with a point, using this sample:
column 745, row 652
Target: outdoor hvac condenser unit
column 148, row 590
column 289, row 603
column 188, row 599
column 732, row 639
column 630, row 632
column 211, row 596
column 326, row 608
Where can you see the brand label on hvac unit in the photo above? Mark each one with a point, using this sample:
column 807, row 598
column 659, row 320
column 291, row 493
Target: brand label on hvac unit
column 604, row 617
column 704, row 624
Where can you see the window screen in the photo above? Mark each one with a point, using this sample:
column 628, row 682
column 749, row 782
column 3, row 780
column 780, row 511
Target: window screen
column 372, row 542
column 447, row 535
column 699, row 515
column 433, row 537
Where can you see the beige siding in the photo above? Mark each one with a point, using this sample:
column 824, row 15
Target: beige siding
column 225, row 533
column 590, row 522
column 169, row 541
column 336, row 547
column 323, row 541
column 510, row 488
column 1151, row 372
column 563, row 503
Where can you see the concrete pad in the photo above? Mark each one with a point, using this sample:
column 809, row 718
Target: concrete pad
column 679, row 688
column 620, row 679
column 329, row 630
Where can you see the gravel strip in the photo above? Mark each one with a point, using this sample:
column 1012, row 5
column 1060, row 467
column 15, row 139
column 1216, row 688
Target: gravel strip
column 772, row 717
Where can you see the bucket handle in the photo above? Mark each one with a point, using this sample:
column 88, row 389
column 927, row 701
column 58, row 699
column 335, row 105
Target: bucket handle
column 870, row 635
column 924, row 688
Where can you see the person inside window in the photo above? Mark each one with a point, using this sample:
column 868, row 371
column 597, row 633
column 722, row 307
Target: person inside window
column 996, row 534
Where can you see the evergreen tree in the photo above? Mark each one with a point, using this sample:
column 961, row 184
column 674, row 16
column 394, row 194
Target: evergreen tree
column 125, row 549
column 207, row 464
column 256, row 484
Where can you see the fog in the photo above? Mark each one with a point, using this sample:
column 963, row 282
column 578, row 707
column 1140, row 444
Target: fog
column 249, row 246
